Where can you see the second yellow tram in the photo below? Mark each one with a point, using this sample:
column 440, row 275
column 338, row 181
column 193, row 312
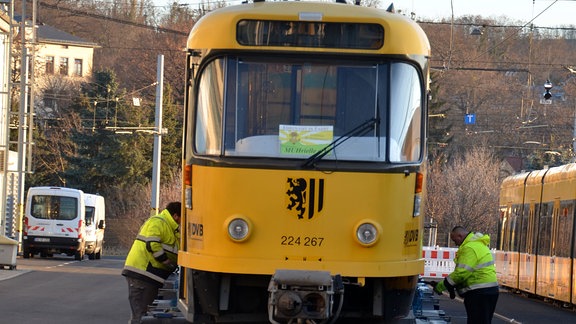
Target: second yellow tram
column 537, row 239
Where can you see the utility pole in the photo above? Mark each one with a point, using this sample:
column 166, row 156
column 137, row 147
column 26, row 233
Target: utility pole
column 25, row 111
column 7, row 213
column 155, row 196
column 157, row 130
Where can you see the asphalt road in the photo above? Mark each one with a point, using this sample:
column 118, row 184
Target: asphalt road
column 61, row 290
column 512, row 308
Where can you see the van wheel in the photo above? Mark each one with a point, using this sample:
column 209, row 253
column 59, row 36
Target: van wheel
column 26, row 253
column 79, row 255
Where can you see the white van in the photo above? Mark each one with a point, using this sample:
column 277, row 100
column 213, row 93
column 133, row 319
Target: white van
column 95, row 223
column 54, row 222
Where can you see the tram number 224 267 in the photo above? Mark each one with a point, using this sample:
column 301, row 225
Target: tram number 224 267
column 305, row 240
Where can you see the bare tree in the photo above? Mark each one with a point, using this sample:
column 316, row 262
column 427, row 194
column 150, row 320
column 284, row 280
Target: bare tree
column 129, row 206
column 497, row 77
column 464, row 192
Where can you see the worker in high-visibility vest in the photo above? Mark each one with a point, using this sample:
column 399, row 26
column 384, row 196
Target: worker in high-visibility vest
column 474, row 277
column 152, row 259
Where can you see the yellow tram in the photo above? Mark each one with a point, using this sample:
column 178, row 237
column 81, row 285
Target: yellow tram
column 304, row 162
column 536, row 241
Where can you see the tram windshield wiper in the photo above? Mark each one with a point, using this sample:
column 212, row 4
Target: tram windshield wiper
column 359, row 130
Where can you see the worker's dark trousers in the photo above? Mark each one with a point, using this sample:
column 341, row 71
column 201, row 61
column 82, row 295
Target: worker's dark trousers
column 480, row 305
column 140, row 294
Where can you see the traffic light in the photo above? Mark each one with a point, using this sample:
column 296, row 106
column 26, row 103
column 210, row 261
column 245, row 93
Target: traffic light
column 547, row 87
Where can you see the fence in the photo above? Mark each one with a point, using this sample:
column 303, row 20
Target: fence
column 439, row 261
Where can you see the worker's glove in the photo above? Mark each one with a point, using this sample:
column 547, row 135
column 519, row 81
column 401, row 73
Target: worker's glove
column 170, row 265
column 438, row 287
column 450, row 288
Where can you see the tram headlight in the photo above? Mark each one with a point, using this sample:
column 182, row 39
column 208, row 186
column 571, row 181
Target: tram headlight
column 239, row 228
column 367, row 233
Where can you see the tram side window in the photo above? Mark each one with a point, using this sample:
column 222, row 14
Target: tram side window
column 533, row 228
column 565, row 226
column 501, row 244
column 208, row 139
column 508, row 228
column 545, row 230
column 523, row 230
column 406, row 112
column 529, row 228
column 515, row 227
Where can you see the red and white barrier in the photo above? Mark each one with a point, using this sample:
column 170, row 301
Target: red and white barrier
column 439, row 261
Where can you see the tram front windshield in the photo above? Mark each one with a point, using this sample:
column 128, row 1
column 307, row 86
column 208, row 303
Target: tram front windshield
column 262, row 108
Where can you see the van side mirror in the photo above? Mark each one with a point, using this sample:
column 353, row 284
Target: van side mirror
column 101, row 224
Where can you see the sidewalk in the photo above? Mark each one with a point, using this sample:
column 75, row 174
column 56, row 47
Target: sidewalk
column 9, row 274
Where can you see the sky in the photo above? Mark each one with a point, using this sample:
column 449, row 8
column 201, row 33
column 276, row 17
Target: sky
column 547, row 13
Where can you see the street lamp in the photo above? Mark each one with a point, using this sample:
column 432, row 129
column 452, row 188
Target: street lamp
column 547, row 87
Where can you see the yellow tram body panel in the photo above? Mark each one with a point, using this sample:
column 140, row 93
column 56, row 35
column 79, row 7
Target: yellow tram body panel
column 528, row 260
column 554, row 269
column 281, row 240
column 554, row 278
column 407, row 37
column 507, row 259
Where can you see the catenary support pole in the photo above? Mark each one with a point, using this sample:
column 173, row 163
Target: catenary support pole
column 155, row 198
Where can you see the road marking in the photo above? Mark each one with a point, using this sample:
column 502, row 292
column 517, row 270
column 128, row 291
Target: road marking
column 506, row 319
column 61, row 264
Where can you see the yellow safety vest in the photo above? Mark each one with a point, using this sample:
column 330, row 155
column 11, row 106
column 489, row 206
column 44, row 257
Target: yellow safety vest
column 475, row 267
column 157, row 241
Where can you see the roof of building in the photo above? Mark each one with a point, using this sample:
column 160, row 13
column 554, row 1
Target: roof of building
column 49, row 34
column 52, row 35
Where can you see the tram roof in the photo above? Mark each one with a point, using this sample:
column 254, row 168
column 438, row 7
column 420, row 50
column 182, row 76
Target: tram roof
column 217, row 29
column 565, row 172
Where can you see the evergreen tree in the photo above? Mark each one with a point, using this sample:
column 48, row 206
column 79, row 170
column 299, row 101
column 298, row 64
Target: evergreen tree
column 104, row 157
column 439, row 136
column 172, row 139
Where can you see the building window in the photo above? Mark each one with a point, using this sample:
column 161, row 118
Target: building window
column 78, row 67
column 49, row 102
column 49, row 64
column 63, row 66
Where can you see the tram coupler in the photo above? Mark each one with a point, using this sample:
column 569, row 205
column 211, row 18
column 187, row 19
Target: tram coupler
column 302, row 294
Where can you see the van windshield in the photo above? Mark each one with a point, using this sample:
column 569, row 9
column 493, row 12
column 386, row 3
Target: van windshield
column 54, row 207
